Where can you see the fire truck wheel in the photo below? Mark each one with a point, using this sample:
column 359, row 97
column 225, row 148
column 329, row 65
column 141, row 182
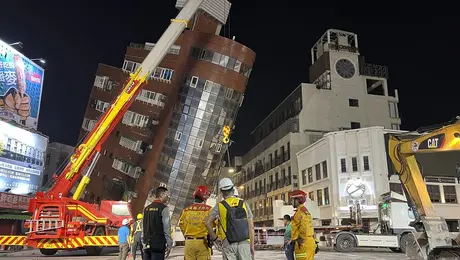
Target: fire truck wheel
column 345, row 243
column 94, row 250
column 45, row 251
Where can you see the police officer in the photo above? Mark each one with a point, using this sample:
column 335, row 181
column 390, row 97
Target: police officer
column 136, row 236
column 302, row 228
column 157, row 227
column 192, row 226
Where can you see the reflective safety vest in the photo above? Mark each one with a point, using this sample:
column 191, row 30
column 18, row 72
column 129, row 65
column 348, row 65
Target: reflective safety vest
column 222, row 226
column 136, row 230
column 138, row 226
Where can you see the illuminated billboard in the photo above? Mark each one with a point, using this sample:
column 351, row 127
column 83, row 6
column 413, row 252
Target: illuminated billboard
column 22, row 159
column 21, row 82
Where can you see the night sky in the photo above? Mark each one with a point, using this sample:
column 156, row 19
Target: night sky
column 418, row 43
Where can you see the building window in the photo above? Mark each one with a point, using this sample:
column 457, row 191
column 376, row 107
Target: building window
column 221, row 60
column 324, row 169
column 102, row 106
column 353, row 102
column 304, row 177
column 355, row 125
column 88, row 124
column 395, row 127
column 393, row 110
column 434, row 192
column 131, row 144
column 326, row 196
column 103, row 82
column 343, row 165
column 396, row 187
column 311, row 195
column 366, row 163
column 178, row 135
column 130, row 66
column 318, row 171
column 199, row 143
column 310, row 175
column 162, row 74
column 228, row 93
column 193, row 82
column 134, row 119
column 450, row 194
column 354, row 164
column 208, row 86
column 319, row 195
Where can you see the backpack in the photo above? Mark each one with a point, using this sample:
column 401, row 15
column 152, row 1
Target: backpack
column 237, row 223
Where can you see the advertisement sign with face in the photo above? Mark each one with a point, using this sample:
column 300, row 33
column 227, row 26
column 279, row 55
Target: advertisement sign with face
column 22, row 159
column 21, row 82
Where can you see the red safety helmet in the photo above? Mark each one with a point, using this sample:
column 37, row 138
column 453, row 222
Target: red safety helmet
column 298, row 194
column 202, row 192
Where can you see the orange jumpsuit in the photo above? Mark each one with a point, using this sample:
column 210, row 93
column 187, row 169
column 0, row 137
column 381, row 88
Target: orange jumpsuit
column 192, row 225
column 302, row 229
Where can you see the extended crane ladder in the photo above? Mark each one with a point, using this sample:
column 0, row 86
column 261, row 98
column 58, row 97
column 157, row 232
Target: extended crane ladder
column 62, row 243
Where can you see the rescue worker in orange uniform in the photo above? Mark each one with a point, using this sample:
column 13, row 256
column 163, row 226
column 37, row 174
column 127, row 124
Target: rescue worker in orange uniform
column 303, row 234
column 192, row 225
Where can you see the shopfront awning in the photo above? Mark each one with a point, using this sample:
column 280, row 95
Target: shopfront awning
column 15, row 216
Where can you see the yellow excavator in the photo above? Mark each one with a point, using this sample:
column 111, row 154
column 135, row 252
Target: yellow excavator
column 431, row 239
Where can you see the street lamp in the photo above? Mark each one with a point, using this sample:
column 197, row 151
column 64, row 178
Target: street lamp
column 231, row 170
column 41, row 60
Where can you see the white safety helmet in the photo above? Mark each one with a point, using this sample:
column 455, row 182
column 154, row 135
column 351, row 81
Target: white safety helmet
column 225, row 184
column 125, row 222
column 235, row 193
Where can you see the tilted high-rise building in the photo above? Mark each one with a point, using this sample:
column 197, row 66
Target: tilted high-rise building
column 172, row 134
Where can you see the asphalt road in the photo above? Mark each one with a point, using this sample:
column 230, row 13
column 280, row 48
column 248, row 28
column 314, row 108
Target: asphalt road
column 177, row 254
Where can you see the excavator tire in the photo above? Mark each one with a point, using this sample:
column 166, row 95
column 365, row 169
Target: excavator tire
column 444, row 253
column 95, row 250
column 48, row 252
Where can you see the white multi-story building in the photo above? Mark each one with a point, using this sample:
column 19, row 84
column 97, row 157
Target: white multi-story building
column 346, row 93
column 347, row 168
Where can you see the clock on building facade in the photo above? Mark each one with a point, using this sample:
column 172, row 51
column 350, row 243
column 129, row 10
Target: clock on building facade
column 345, row 68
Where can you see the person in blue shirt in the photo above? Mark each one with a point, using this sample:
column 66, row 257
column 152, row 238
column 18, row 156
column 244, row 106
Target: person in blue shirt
column 288, row 246
column 123, row 240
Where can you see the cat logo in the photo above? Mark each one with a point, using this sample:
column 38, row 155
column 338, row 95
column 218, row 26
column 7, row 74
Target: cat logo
column 432, row 143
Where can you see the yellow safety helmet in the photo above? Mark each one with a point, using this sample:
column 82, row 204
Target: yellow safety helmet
column 139, row 216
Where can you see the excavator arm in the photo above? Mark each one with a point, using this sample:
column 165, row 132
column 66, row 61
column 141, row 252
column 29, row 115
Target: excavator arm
column 432, row 237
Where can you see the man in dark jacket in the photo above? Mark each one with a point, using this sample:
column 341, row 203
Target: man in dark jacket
column 157, row 227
